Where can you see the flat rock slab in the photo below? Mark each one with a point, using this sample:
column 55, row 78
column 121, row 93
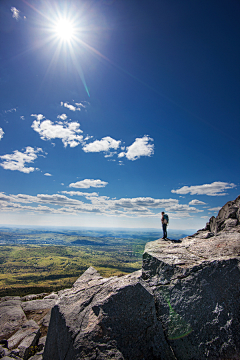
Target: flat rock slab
column 12, row 317
column 193, row 250
column 25, row 330
column 38, row 304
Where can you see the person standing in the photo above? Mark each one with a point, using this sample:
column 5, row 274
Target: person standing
column 164, row 224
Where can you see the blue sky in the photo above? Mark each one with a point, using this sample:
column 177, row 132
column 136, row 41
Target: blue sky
column 113, row 111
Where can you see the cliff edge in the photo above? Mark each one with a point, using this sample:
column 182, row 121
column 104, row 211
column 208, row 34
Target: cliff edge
column 196, row 287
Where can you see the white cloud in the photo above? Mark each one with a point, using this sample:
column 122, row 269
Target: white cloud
column 47, row 174
column 17, row 160
column 183, row 208
column 1, row 133
column 39, row 116
column 66, row 131
column 80, row 193
column 140, row 147
column 88, row 137
column 22, row 117
column 81, row 105
column 71, row 107
column 61, row 204
column 145, row 202
column 105, row 144
column 11, row 110
column 121, row 154
column 62, row 117
column 197, row 202
column 217, row 188
column 76, row 107
column 87, row 183
column 15, row 13
column 215, row 208
column 110, row 154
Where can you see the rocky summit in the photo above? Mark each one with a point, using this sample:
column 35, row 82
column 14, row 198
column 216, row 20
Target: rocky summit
column 196, row 287
column 184, row 304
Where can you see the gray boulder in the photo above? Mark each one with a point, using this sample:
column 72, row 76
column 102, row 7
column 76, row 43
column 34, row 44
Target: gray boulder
column 106, row 318
column 38, row 305
column 196, row 286
column 27, row 329
column 19, row 337
column 231, row 210
column 28, row 345
column 11, row 316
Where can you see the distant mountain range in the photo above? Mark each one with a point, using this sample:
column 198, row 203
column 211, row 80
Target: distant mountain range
column 82, row 236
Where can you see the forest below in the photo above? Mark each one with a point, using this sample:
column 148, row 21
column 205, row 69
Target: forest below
column 45, row 260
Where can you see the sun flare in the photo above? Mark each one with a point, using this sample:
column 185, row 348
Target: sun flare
column 64, row 36
column 64, row 30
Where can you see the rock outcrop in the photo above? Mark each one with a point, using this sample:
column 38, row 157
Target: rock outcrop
column 106, row 318
column 23, row 325
column 197, row 294
column 12, row 316
column 228, row 217
column 196, row 286
column 184, row 304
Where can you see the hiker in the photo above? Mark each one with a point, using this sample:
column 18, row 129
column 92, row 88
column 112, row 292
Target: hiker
column 164, row 224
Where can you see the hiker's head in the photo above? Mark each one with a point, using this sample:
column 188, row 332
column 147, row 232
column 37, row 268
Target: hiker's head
column 162, row 212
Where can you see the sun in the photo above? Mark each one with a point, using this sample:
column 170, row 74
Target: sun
column 64, row 37
column 64, row 29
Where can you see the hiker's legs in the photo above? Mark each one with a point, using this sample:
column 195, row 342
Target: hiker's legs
column 164, row 226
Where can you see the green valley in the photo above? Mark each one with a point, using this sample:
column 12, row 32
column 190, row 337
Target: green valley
column 45, row 260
